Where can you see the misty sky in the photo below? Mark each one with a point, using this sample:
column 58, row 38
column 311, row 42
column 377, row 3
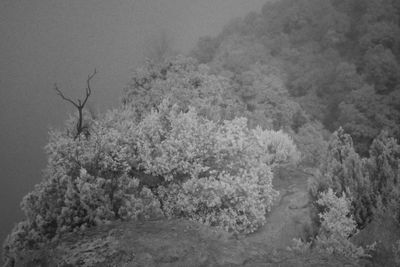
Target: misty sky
column 48, row 41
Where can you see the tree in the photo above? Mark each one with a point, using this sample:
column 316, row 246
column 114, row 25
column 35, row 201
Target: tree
column 184, row 82
column 266, row 97
column 337, row 226
column 218, row 174
column 79, row 104
column 236, row 53
column 364, row 113
column 345, row 172
column 215, row 172
column 382, row 69
column 384, row 168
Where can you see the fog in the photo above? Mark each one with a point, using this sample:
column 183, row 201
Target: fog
column 47, row 41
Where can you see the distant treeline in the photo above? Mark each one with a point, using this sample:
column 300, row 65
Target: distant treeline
column 338, row 59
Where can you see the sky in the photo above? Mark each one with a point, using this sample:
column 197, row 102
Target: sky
column 57, row 41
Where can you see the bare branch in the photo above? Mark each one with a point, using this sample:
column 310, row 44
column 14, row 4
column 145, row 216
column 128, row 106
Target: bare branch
column 88, row 89
column 79, row 104
column 63, row 97
column 91, row 75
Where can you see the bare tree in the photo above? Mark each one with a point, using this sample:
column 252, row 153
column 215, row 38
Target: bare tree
column 79, row 104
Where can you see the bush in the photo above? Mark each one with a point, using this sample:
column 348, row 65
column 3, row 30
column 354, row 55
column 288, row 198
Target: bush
column 344, row 171
column 186, row 83
column 218, row 174
column 384, row 168
column 337, row 225
column 215, row 173
column 86, row 184
column 372, row 183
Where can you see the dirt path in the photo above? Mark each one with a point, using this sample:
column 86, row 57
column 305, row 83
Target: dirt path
column 290, row 217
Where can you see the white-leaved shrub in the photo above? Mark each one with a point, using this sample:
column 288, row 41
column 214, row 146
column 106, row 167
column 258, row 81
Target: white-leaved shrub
column 86, row 183
column 226, row 168
column 217, row 173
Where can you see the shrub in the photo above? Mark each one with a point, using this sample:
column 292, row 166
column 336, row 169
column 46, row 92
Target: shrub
column 372, row 183
column 337, row 225
column 218, row 174
column 384, row 169
column 345, row 172
column 185, row 83
column 86, row 184
column 212, row 172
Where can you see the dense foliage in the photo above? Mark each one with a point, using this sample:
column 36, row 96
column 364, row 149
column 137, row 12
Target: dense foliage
column 337, row 225
column 200, row 141
column 184, row 82
column 371, row 183
column 172, row 160
column 258, row 93
column 309, row 66
column 338, row 59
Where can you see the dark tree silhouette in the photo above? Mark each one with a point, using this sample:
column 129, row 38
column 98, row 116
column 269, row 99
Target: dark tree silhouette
column 79, row 104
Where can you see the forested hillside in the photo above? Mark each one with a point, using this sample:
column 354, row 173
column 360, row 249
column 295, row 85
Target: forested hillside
column 310, row 84
column 338, row 59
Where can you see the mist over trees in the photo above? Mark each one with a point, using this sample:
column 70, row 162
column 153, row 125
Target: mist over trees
column 309, row 83
column 337, row 65
column 174, row 148
column 339, row 60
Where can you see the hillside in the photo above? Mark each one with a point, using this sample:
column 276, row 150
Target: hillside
column 178, row 242
column 262, row 150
